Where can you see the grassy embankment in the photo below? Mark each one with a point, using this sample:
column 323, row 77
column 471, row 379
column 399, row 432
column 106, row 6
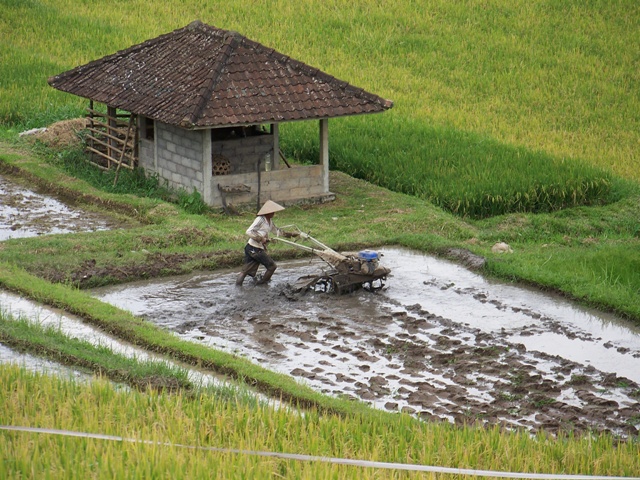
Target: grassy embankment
column 493, row 103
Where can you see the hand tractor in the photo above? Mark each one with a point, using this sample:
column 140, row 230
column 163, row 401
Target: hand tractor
column 347, row 273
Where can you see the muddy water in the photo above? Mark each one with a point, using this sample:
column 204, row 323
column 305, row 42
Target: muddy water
column 24, row 213
column 440, row 342
column 540, row 321
column 72, row 326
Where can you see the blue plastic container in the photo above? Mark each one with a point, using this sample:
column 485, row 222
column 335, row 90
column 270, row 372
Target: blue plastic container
column 368, row 255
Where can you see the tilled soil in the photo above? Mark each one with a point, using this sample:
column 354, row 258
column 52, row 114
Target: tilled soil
column 402, row 356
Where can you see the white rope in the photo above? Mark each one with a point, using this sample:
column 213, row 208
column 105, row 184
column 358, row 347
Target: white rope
column 313, row 458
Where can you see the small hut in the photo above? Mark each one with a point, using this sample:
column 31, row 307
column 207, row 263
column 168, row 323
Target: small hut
column 200, row 107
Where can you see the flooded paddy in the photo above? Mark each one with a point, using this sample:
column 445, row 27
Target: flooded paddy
column 25, row 213
column 440, row 342
column 73, row 327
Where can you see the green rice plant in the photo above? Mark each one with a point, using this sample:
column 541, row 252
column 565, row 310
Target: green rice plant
column 560, row 79
column 463, row 173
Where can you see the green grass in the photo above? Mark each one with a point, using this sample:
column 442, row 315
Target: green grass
column 493, row 101
column 72, row 160
column 593, row 273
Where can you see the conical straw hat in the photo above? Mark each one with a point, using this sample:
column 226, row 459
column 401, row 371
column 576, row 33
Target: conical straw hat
column 270, row 207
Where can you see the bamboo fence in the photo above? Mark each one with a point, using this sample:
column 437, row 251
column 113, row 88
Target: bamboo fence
column 112, row 139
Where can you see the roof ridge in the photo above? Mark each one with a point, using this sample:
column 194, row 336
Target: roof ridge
column 231, row 41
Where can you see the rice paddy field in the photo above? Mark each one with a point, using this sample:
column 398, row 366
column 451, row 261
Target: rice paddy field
column 215, row 424
column 499, row 106
column 505, row 114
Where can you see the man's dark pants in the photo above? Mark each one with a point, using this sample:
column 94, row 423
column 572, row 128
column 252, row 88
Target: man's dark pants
column 253, row 258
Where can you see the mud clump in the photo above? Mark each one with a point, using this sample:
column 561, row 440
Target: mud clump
column 466, row 258
column 152, row 265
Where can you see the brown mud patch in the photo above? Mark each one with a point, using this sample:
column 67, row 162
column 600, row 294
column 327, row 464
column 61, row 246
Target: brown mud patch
column 155, row 265
column 401, row 356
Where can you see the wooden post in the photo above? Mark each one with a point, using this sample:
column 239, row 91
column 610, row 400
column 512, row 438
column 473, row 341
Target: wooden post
column 91, row 123
column 124, row 148
column 275, row 155
column 113, row 125
column 207, row 168
column 324, row 153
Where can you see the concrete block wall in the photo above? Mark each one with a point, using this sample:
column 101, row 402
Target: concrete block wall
column 146, row 155
column 179, row 156
column 183, row 158
column 285, row 185
column 244, row 152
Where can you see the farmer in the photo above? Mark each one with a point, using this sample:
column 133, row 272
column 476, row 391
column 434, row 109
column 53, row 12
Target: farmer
column 255, row 252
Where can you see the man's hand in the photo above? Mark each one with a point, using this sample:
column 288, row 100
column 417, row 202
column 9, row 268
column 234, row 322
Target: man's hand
column 260, row 239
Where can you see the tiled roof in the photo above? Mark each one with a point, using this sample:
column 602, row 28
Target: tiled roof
column 200, row 76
